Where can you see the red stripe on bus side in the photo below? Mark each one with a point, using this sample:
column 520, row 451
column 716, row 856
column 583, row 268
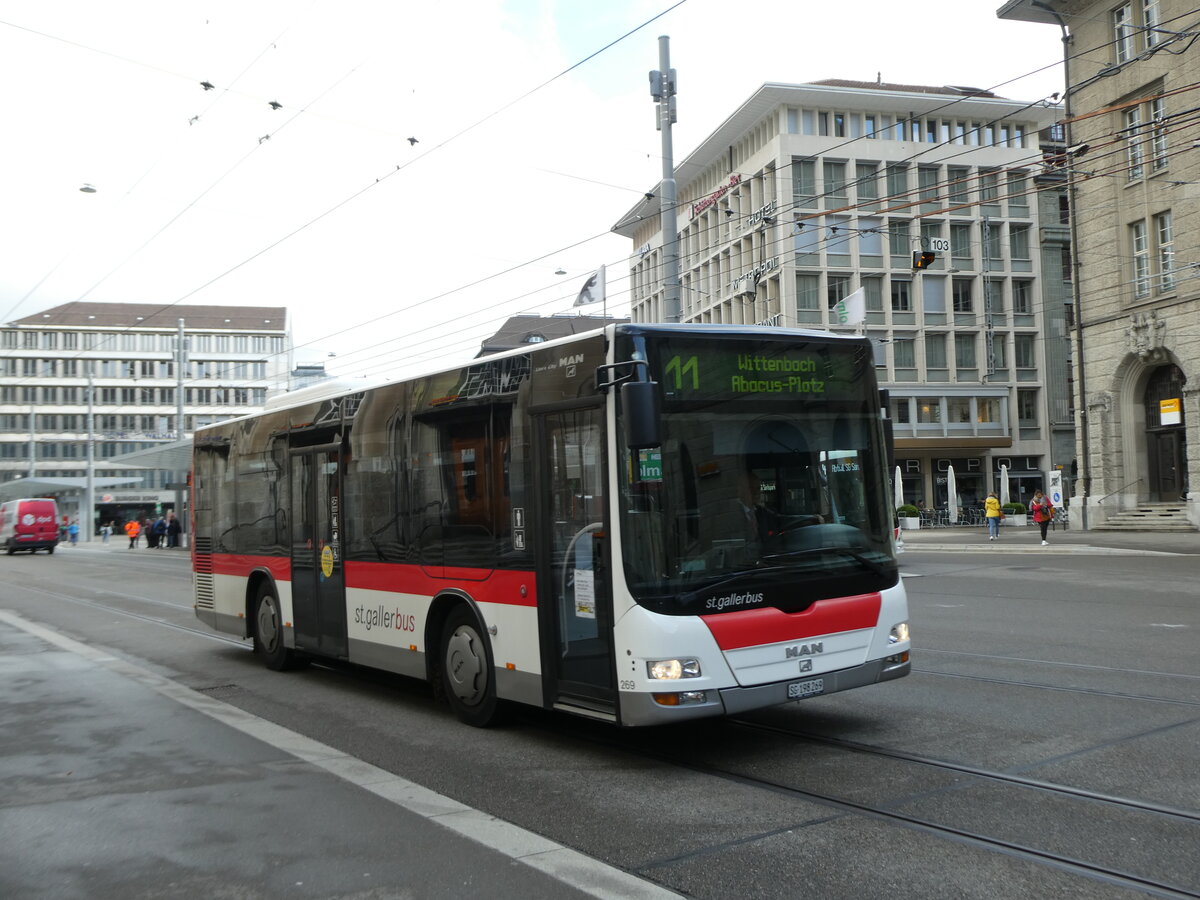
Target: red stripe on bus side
column 280, row 567
column 513, row 588
column 752, row 627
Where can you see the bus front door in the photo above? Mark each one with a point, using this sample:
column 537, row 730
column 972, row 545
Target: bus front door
column 576, row 622
column 318, row 584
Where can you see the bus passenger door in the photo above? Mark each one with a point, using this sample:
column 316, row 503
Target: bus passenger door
column 318, row 584
column 575, row 612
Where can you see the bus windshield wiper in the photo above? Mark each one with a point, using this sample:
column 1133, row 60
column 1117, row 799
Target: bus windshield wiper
column 875, row 566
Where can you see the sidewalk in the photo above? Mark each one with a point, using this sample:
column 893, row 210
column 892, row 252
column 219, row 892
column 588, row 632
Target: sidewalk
column 117, row 782
column 1027, row 539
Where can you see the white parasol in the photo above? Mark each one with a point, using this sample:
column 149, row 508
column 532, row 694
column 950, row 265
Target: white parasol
column 951, row 495
column 898, row 490
column 1003, row 485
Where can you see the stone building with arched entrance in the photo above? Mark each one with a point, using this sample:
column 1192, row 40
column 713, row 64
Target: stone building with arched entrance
column 1133, row 175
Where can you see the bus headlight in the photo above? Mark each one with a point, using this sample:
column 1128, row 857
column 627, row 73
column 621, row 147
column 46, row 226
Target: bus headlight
column 672, row 669
column 898, row 633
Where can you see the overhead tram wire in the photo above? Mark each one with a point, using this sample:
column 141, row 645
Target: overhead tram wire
column 389, row 174
column 179, row 300
column 161, row 155
column 884, row 201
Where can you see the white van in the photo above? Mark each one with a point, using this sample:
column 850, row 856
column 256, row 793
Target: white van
column 30, row 524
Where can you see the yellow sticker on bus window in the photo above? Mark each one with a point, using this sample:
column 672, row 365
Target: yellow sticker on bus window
column 327, row 560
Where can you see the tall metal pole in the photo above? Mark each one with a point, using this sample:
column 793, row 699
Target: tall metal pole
column 181, row 361
column 1085, row 444
column 87, row 518
column 662, row 89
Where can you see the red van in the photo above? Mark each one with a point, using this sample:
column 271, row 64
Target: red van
column 30, row 524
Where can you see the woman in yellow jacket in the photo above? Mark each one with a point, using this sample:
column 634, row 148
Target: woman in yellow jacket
column 991, row 508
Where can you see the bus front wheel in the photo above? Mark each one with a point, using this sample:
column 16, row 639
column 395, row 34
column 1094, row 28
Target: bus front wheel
column 467, row 677
column 268, row 630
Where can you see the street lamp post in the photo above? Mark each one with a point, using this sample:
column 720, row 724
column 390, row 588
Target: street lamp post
column 88, row 513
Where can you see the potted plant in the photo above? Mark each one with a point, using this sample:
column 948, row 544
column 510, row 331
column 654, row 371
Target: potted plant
column 1014, row 514
column 910, row 516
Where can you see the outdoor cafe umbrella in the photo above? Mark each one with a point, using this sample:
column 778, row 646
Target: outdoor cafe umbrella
column 1003, row 485
column 897, row 490
column 951, row 495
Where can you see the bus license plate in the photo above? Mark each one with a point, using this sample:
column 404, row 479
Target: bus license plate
column 800, row 689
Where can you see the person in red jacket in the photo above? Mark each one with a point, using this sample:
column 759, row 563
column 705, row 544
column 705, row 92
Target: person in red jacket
column 133, row 529
column 1043, row 513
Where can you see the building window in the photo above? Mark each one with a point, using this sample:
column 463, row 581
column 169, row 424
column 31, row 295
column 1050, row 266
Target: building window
column 1022, row 297
column 964, row 295
column 958, row 185
column 835, row 183
column 901, row 295
column 988, row 410
column 927, row 183
column 901, row 413
column 899, row 238
column 1151, row 17
column 1027, row 407
column 964, row 351
column 1166, row 251
column 869, row 127
column 897, row 181
column 867, row 177
column 804, row 183
column 1158, row 138
column 989, row 187
column 960, row 240
column 808, row 289
column 873, row 293
column 904, row 353
column 929, row 410
column 1018, row 242
column 1133, row 142
column 935, row 351
column 1023, row 353
column 1141, row 259
column 999, row 357
column 837, row 288
column 1122, row 19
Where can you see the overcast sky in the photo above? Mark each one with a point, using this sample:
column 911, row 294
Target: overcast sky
column 399, row 257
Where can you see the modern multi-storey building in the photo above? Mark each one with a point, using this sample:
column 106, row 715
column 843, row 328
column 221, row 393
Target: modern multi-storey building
column 808, row 193
column 128, row 356
column 1132, row 71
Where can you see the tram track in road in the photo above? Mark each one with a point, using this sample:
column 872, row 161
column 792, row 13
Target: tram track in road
column 141, row 617
column 889, row 811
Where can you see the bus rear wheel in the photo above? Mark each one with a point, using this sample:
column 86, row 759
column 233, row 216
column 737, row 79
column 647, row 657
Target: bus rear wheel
column 268, row 630
column 468, row 680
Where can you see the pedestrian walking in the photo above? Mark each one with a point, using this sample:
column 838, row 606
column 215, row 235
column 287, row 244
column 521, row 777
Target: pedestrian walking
column 133, row 529
column 105, row 531
column 73, row 532
column 1043, row 513
column 991, row 507
column 159, row 529
column 174, row 529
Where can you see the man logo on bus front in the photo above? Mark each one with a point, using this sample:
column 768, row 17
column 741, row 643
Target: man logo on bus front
column 804, row 650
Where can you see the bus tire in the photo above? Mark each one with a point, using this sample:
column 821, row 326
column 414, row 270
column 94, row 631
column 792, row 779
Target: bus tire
column 268, row 630
column 467, row 678
column 48, row 550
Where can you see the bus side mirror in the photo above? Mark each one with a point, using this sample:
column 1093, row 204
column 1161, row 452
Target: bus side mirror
column 640, row 414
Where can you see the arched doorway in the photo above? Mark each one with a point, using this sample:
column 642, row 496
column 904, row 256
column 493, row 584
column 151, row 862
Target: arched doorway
column 1166, row 446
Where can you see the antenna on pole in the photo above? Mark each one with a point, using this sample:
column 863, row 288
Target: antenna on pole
column 662, row 89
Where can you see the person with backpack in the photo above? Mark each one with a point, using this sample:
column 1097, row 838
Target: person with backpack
column 1043, row 513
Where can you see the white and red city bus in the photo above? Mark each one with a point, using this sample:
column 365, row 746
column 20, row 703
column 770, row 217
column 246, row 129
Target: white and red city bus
column 643, row 524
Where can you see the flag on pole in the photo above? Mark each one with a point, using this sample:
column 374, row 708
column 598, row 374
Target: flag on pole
column 593, row 289
column 852, row 310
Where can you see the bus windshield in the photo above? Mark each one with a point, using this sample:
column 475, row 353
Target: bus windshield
column 770, row 487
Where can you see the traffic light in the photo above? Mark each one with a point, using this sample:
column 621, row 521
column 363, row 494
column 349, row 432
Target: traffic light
column 923, row 259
